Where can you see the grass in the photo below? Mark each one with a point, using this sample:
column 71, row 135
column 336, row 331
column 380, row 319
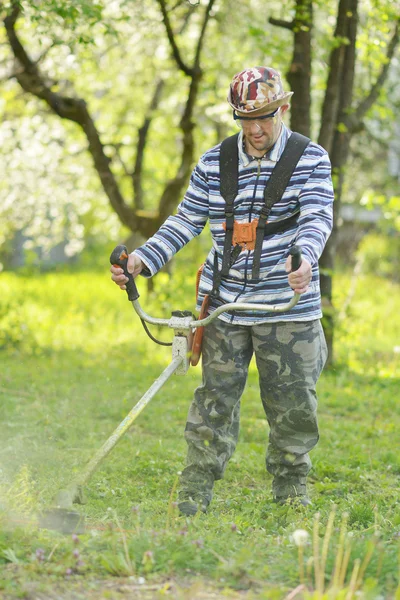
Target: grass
column 75, row 360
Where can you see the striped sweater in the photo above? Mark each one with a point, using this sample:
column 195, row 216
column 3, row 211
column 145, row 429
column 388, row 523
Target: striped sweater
column 308, row 194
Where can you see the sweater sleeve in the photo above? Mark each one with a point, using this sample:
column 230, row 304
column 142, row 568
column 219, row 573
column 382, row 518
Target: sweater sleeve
column 316, row 211
column 179, row 229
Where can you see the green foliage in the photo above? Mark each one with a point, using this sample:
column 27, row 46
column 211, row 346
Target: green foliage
column 388, row 204
column 380, row 255
column 78, row 16
column 14, row 332
column 51, row 190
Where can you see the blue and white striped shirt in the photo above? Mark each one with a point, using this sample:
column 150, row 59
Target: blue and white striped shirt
column 308, row 194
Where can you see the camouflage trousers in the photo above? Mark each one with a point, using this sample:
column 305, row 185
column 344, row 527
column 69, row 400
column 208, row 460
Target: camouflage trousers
column 290, row 357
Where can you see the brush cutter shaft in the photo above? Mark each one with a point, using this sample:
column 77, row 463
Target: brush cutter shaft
column 127, row 422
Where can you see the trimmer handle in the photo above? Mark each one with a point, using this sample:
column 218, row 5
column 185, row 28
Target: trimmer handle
column 295, row 252
column 119, row 258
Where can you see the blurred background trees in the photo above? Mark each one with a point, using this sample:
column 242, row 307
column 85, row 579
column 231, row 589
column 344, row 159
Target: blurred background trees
column 106, row 106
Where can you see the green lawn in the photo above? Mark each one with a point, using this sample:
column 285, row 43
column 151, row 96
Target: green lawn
column 75, row 360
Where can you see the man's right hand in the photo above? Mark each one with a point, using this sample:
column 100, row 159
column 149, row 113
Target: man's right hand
column 134, row 266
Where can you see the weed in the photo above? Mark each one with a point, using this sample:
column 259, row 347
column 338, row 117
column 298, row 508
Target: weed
column 345, row 580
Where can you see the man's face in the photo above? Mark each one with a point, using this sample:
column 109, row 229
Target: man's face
column 261, row 134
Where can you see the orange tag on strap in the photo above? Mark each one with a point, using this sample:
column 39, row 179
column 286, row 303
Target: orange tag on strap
column 244, row 234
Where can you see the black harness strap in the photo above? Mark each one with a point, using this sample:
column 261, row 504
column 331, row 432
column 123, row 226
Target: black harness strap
column 229, row 169
column 280, row 177
column 275, row 188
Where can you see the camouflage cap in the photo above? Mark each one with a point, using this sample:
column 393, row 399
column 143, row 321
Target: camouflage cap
column 257, row 90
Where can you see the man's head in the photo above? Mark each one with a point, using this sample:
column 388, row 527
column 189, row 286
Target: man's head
column 259, row 102
column 257, row 91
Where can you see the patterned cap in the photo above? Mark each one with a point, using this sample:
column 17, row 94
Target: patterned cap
column 257, row 90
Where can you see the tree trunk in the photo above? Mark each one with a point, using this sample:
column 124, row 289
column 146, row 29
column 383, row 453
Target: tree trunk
column 299, row 73
column 330, row 105
column 335, row 133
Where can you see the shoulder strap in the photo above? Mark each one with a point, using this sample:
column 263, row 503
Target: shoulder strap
column 229, row 175
column 275, row 188
column 229, row 168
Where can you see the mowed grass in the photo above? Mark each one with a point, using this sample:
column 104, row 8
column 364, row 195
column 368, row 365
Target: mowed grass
column 75, row 359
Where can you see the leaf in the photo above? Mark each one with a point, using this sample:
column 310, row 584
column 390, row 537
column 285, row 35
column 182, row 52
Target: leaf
column 10, row 555
column 341, row 127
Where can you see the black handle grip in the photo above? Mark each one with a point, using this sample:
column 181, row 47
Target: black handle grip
column 119, row 258
column 295, row 252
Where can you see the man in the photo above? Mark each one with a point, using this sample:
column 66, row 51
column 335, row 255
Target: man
column 289, row 347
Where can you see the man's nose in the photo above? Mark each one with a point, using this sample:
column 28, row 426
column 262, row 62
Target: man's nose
column 255, row 127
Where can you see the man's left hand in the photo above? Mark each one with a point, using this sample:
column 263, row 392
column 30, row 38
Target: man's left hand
column 299, row 280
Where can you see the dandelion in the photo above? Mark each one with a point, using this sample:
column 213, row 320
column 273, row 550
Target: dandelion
column 300, row 537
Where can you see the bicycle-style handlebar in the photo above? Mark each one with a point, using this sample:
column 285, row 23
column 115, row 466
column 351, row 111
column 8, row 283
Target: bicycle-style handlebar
column 119, row 258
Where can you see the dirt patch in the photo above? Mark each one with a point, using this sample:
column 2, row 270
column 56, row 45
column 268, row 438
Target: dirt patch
column 125, row 589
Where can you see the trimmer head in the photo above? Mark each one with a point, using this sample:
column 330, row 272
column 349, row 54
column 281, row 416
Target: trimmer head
column 63, row 520
column 62, row 517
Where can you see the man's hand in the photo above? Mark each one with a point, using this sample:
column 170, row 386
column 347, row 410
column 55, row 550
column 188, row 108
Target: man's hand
column 299, row 280
column 134, row 266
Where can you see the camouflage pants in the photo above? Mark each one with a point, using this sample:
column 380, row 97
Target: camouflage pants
column 290, row 357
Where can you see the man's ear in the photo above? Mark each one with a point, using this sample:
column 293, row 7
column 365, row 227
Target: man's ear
column 284, row 108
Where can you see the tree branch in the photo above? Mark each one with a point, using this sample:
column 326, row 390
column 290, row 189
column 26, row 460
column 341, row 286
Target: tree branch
column 45, row 53
column 202, row 34
column 75, row 109
column 142, row 139
column 170, row 34
column 373, row 94
column 72, row 109
column 173, row 187
column 124, row 166
column 282, row 23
